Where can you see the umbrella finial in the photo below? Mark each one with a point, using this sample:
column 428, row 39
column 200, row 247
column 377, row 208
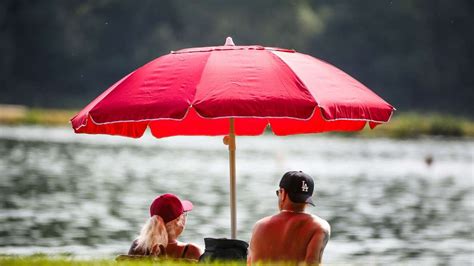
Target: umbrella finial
column 229, row 42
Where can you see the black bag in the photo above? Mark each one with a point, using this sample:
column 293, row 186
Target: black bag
column 224, row 249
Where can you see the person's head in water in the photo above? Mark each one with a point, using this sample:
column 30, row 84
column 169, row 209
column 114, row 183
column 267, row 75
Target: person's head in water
column 296, row 191
column 167, row 221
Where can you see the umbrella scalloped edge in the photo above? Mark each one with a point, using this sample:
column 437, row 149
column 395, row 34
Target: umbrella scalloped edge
column 194, row 124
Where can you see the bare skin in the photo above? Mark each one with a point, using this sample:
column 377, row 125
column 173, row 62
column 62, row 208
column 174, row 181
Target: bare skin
column 175, row 248
column 290, row 236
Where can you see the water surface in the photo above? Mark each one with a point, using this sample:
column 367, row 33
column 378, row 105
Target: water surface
column 88, row 195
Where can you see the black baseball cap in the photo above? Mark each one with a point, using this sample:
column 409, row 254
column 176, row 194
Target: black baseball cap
column 299, row 186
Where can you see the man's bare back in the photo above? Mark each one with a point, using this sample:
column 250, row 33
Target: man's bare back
column 289, row 236
column 292, row 235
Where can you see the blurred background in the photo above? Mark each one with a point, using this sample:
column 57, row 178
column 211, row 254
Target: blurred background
column 403, row 192
column 417, row 54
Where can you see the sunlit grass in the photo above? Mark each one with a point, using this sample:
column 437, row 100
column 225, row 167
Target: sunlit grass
column 45, row 260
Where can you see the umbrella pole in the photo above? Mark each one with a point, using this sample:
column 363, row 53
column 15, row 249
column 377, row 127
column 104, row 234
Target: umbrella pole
column 233, row 203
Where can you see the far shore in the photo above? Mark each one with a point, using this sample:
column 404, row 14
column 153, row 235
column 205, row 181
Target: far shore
column 402, row 125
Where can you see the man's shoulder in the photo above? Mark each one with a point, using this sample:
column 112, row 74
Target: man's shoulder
column 264, row 220
column 314, row 221
column 320, row 223
column 269, row 222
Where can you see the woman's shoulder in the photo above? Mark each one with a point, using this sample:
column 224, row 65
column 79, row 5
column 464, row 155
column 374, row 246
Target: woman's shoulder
column 193, row 251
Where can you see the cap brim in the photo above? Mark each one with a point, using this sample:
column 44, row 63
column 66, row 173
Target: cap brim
column 187, row 205
column 298, row 198
column 310, row 201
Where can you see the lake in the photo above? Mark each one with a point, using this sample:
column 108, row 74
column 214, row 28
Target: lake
column 88, row 195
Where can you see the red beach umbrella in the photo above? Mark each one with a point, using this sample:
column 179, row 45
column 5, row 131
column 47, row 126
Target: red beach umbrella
column 233, row 90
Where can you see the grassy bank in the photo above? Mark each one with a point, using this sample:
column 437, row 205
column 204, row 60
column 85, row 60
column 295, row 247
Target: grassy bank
column 414, row 125
column 402, row 125
column 21, row 115
column 44, row 260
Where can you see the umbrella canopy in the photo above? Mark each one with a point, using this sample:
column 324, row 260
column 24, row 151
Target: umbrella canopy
column 195, row 92
column 233, row 90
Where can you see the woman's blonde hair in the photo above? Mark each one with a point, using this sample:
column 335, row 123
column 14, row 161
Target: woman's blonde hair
column 152, row 236
column 155, row 233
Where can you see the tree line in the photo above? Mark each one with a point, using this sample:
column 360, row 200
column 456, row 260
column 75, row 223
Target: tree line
column 416, row 54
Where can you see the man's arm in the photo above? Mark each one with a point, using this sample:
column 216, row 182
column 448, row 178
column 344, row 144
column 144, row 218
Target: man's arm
column 249, row 252
column 251, row 244
column 249, row 257
column 315, row 249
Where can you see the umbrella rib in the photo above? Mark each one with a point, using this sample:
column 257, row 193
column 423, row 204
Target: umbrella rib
column 322, row 109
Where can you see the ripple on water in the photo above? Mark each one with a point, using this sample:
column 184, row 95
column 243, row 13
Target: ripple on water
column 89, row 195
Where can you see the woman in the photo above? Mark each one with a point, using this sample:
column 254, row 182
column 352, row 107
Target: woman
column 159, row 235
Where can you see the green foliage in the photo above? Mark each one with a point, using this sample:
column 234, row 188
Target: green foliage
column 35, row 116
column 62, row 54
column 445, row 126
column 49, row 117
column 408, row 126
column 413, row 125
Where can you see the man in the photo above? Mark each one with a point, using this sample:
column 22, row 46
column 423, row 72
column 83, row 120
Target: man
column 291, row 235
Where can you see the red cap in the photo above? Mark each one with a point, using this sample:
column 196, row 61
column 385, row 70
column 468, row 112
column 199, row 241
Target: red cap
column 169, row 207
